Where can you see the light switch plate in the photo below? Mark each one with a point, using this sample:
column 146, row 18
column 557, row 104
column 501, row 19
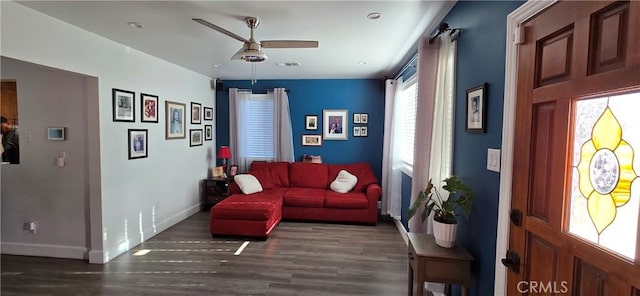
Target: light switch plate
column 27, row 135
column 493, row 160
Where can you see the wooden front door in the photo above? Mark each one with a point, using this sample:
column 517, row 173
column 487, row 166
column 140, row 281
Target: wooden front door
column 577, row 157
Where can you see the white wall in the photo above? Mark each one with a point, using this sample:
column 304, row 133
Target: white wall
column 130, row 200
column 36, row 189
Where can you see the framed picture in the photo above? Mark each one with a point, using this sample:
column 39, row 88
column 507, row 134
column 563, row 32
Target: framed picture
column 195, row 113
column 138, row 143
column 208, row 132
column 364, row 118
column 233, row 170
column 311, row 122
column 218, row 172
column 476, row 109
column 123, row 105
column 56, row 133
column 174, row 120
column 208, row 113
column 356, row 118
column 335, row 124
column 311, row 140
column 356, row 131
column 195, row 137
column 149, row 108
column 364, row 131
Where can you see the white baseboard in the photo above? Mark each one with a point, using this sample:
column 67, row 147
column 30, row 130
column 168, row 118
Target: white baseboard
column 124, row 246
column 402, row 230
column 94, row 256
column 44, row 250
column 173, row 220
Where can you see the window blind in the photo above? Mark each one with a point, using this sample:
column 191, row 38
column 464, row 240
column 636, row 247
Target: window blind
column 258, row 116
column 408, row 103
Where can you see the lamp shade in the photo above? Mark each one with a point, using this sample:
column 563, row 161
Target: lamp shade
column 224, row 152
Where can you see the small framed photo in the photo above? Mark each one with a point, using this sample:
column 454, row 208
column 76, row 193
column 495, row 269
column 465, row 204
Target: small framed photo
column 208, row 132
column 311, row 140
column 56, row 133
column 357, row 118
column 195, row 137
column 138, row 143
column 364, row 118
column 218, row 172
column 356, row 131
column 195, row 113
column 233, row 170
column 364, row 131
column 123, row 105
column 476, row 109
column 174, row 120
column 335, row 124
column 208, row 113
column 311, row 122
column 149, row 108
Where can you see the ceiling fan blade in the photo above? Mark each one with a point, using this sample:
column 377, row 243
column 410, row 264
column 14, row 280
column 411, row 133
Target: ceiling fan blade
column 221, row 30
column 288, row 44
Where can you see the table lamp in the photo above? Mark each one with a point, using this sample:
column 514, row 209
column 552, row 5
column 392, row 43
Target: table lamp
column 224, row 153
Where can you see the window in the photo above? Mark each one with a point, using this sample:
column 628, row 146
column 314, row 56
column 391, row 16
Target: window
column 256, row 120
column 407, row 103
column 604, row 184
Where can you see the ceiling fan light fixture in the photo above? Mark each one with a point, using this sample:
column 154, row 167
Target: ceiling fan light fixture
column 250, row 52
column 250, row 55
column 255, row 58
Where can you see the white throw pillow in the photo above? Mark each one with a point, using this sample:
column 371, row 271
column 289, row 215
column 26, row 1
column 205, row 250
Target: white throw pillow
column 248, row 183
column 344, row 182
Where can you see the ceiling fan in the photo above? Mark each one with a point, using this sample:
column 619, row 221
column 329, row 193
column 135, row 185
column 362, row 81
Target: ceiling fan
column 251, row 50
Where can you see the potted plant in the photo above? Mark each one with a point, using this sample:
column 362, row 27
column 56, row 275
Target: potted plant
column 445, row 224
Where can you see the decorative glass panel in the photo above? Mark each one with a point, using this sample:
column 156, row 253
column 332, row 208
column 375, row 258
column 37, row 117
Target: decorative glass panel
column 605, row 188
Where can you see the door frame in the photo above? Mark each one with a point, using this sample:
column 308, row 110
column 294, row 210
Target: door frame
column 523, row 13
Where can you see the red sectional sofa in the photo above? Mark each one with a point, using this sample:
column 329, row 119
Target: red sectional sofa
column 296, row 191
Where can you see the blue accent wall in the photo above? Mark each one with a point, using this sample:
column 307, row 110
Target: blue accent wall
column 481, row 59
column 310, row 97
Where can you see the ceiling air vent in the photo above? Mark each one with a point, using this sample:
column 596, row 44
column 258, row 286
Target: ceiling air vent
column 289, row 64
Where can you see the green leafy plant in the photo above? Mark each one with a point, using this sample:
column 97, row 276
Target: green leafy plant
column 444, row 211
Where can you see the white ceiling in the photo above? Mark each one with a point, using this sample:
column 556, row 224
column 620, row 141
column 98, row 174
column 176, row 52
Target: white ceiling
column 346, row 36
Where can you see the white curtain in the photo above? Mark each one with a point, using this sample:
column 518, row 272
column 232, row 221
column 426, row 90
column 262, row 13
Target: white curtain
column 236, row 99
column 434, row 121
column 282, row 136
column 442, row 136
column 391, row 174
column 282, row 133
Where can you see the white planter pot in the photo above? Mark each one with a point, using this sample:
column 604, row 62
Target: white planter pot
column 445, row 234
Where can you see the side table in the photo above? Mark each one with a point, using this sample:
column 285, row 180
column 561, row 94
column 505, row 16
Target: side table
column 213, row 190
column 429, row 262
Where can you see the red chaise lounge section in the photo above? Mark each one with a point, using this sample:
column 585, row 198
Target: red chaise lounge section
column 296, row 191
column 254, row 215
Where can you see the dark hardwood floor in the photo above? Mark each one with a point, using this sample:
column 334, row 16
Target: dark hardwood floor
column 298, row 259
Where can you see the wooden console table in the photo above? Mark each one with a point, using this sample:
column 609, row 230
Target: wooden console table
column 432, row 263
